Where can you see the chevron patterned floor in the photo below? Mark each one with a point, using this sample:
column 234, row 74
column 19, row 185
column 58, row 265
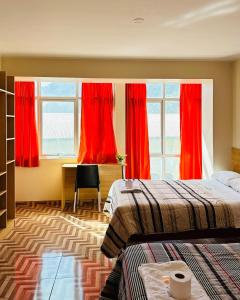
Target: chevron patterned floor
column 54, row 255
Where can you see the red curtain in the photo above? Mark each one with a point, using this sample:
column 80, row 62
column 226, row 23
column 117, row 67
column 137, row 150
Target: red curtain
column 27, row 154
column 97, row 141
column 137, row 145
column 191, row 131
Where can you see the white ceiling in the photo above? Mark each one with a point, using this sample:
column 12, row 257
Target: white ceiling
column 191, row 29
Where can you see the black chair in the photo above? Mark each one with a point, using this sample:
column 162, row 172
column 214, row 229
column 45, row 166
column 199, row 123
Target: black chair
column 87, row 176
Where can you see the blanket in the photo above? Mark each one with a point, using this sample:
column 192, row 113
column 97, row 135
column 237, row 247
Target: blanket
column 162, row 207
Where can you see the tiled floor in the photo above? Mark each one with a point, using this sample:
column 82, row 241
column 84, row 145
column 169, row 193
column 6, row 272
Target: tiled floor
column 53, row 255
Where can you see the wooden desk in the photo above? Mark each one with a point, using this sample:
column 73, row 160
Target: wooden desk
column 108, row 173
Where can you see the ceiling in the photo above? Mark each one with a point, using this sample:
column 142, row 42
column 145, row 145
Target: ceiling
column 172, row 29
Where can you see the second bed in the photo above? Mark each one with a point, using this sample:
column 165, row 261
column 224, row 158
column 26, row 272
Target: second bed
column 168, row 207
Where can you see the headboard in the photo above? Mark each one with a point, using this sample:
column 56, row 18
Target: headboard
column 236, row 159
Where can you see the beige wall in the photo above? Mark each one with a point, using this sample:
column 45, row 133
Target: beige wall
column 219, row 71
column 43, row 183
column 0, row 63
column 236, row 104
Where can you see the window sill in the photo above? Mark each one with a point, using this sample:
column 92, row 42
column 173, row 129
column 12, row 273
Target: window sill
column 43, row 157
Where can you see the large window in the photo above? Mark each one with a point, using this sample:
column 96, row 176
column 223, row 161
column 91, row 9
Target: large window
column 58, row 118
column 58, row 128
column 164, row 129
column 58, row 114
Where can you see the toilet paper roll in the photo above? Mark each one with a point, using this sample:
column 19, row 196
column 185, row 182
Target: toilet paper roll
column 180, row 285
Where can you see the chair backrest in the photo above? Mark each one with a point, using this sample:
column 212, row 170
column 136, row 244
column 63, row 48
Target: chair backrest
column 87, row 176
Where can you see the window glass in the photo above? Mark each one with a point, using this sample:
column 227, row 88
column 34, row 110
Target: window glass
column 58, row 89
column 36, row 88
column 154, row 126
column 154, row 90
column 79, row 116
column 80, row 90
column 172, row 90
column 172, row 127
column 156, row 167
column 164, row 162
column 172, row 168
column 57, row 128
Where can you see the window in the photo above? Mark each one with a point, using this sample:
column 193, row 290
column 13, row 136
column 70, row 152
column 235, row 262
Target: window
column 154, row 126
column 58, row 128
column 58, row 106
column 58, row 89
column 164, row 129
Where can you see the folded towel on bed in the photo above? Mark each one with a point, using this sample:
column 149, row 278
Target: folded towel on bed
column 130, row 186
column 156, row 279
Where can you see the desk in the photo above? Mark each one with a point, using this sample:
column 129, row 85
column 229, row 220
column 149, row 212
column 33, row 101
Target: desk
column 108, row 173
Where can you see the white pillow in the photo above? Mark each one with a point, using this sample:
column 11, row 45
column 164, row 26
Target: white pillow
column 235, row 184
column 225, row 176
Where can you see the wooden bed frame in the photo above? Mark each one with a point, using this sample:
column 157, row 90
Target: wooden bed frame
column 224, row 234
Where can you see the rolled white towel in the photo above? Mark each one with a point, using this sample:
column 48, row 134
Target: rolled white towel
column 156, row 279
column 129, row 186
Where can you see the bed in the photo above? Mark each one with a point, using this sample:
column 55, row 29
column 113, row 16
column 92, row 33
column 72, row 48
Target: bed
column 215, row 266
column 167, row 209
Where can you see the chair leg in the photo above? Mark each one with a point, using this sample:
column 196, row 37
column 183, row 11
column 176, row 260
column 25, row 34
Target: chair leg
column 78, row 200
column 75, row 201
column 99, row 201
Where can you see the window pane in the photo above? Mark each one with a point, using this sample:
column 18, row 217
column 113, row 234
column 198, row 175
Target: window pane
column 172, row 168
column 36, row 88
column 172, row 90
column 154, row 127
column 58, row 89
column 156, row 167
column 80, row 90
column 154, row 90
column 79, row 115
column 172, row 127
column 57, row 128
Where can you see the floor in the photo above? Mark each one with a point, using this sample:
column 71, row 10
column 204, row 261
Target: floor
column 54, row 255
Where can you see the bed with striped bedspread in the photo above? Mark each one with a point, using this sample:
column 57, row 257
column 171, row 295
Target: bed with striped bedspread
column 162, row 207
column 216, row 267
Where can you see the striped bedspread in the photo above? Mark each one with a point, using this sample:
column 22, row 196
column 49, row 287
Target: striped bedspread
column 162, row 207
column 215, row 266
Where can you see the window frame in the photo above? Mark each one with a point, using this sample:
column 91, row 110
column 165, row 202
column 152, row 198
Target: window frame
column 39, row 114
column 162, row 101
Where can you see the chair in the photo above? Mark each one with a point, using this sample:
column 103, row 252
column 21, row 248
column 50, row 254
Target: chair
column 87, row 176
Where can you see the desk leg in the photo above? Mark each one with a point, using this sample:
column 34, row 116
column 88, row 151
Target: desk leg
column 123, row 172
column 63, row 189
